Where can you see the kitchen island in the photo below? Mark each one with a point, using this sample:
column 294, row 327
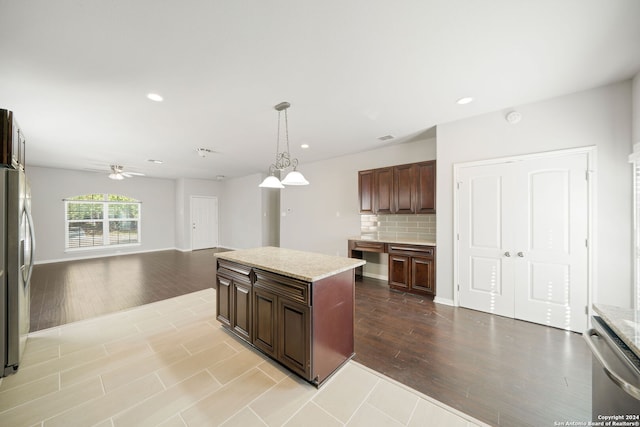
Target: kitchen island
column 296, row 307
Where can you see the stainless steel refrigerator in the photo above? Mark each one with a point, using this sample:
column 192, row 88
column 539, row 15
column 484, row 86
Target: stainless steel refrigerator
column 16, row 266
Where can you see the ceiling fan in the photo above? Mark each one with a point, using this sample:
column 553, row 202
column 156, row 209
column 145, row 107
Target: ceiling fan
column 118, row 173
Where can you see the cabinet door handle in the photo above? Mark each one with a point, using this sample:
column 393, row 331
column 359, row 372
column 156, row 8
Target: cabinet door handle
column 405, row 249
column 520, row 254
column 507, row 254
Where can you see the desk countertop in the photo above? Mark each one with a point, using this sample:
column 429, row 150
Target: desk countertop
column 403, row 240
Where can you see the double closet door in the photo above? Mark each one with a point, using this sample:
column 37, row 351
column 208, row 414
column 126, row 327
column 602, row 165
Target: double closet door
column 522, row 239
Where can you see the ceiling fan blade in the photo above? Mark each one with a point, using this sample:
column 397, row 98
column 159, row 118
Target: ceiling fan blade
column 126, row 174
column 135, row 173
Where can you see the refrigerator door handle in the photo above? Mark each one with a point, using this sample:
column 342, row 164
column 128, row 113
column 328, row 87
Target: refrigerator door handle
column 630, row 389
column 31, row 246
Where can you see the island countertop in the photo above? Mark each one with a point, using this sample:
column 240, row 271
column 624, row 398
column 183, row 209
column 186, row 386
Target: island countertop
column 625, row 322
column 307, row 266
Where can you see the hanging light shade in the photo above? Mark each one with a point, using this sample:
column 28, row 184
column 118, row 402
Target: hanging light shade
column 295, row 178
column 283, row 159
column 271, row 182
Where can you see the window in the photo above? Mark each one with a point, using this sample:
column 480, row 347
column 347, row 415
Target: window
column 99, row 220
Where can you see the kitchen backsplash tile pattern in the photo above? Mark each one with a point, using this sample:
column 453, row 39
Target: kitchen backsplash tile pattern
column 421, row 226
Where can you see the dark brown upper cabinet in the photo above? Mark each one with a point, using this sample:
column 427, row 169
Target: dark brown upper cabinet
column 12, row 142
column 404, row 195
column 402, row 189
column 425, row 187
column 365, row 191
column 383, row 191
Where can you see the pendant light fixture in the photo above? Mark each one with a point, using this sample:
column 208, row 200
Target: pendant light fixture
column 283, row 159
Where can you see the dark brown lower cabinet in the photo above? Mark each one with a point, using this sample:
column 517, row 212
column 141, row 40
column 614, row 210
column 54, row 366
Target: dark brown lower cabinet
column 399, row 271
column 241, row 320
column 422, row 275
column 305, row 326
column 233, row 300
column 281, row 320
column 265, row 314
column 223, row 299
column 293, row 336
column 412, row 268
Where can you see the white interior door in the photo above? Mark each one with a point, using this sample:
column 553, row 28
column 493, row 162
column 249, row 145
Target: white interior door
column 485, row 278
column 204, row 222
column 523, row 229
column 551, row 283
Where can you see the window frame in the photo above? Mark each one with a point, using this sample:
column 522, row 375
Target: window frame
column 634, row 159
column 105, row 221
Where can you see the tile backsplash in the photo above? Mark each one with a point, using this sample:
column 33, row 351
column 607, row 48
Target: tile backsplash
column 422, row 226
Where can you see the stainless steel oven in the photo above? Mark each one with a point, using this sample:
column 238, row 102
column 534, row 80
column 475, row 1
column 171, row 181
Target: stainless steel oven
column 615, row 376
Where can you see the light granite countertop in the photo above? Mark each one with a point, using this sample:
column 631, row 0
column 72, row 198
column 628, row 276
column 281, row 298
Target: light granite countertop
column 404, row 240
column 307, row 266
column 625, row 322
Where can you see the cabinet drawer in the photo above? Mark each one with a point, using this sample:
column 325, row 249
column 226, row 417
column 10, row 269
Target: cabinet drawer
column 365, row 246
column 412, row 250
column 292, row 289
column 234, row 271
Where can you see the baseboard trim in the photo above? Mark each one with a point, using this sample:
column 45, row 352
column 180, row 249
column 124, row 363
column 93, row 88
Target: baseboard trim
column 375, row 276
column 105, row 255
column 444, row 301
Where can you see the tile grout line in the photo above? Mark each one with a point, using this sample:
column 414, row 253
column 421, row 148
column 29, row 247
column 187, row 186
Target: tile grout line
column 378, row 380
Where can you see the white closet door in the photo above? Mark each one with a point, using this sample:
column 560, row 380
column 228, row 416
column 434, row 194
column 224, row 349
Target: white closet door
column 522, row 249
column 485, row 273
column 551, row 263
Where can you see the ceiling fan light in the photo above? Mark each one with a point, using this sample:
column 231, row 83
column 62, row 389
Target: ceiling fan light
column 271, row 182
column 295, row 178
column 116, row 176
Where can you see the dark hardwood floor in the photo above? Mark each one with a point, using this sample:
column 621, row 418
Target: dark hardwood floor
column 65, row 292
column 501, row 371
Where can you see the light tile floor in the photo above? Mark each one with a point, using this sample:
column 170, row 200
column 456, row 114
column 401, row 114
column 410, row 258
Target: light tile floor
column 170, row 363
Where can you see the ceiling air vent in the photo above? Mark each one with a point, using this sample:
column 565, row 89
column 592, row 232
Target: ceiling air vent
column 386, row 138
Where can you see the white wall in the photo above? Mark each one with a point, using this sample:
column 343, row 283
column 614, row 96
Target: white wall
column 270, row 216
column 600, row 117
column 635, row 125
column 185, row 188
column 241, row 212
column 322, row 216
column 50, row 186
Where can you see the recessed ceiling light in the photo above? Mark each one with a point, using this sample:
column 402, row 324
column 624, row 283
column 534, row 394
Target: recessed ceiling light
column 154, row 97
column 465, row 100
column 157, row 162
column 304, row 146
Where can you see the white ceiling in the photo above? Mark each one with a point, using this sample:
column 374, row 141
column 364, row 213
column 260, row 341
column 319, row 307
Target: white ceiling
column 76, row 73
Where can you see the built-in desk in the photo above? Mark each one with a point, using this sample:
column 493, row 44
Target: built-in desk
column 412, row 265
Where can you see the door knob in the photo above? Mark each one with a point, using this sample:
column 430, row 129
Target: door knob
column 507, row 254
column 520, row 254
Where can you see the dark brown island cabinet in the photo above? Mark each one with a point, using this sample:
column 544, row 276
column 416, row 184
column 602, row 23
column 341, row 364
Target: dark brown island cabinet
column 402, row 189
column 295, row 307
